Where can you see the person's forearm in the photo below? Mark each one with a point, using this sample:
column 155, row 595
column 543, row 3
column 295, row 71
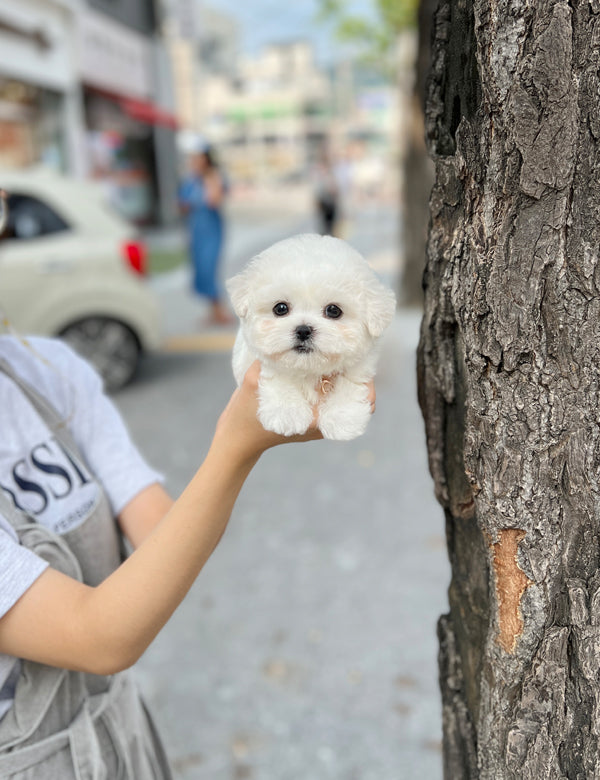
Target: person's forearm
column 131, row 606
column 62, row 622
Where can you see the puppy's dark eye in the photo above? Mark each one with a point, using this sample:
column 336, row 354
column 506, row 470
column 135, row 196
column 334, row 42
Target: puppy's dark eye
column 333, row 312
column 281, row 309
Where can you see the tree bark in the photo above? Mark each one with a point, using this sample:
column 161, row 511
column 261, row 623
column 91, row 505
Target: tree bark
column 417, row 171
column 509, row 382
column 417, row 181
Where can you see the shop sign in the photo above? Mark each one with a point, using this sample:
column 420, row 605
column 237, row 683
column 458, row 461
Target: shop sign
column 114, row 58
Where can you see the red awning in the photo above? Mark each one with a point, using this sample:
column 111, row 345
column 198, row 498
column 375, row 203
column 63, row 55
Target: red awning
column 147, row 112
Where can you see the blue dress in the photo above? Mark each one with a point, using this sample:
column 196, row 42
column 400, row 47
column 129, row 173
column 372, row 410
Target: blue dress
column 205, row 230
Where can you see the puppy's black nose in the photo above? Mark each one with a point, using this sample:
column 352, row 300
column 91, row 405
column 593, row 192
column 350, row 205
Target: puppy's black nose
column 303, row 332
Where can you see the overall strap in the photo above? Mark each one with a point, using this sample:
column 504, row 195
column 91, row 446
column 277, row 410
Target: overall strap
column 90, row 550
column 47, row 412
column 36, row 537
column 10, row 512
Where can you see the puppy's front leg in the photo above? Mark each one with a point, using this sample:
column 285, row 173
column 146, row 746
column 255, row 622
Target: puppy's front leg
column 345, row 411
column 282, row 406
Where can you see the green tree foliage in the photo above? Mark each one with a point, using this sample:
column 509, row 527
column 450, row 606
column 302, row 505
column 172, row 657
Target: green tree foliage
column 376, row 36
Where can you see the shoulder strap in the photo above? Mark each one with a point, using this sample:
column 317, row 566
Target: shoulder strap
column 10, row 512
column 33, row 535
column 46, row 411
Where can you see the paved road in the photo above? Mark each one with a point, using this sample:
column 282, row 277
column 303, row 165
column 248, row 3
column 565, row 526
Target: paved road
column 306, row 649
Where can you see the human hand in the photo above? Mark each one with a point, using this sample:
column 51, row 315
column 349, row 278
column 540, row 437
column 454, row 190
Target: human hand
column 239, row 426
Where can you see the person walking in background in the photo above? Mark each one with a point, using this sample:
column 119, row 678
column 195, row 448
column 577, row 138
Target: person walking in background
column 201, row 198
column 326, row 194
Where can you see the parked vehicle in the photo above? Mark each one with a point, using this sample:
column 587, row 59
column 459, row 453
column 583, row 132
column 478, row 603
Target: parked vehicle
column 72, row 268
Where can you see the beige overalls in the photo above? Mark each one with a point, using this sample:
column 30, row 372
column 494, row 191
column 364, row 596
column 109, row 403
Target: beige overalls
column 66, row 725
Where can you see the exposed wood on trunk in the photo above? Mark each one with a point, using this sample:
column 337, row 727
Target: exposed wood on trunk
column 511, row 584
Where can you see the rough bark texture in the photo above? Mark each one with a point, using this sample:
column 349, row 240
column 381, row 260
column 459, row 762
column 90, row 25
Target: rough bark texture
column 509, row 382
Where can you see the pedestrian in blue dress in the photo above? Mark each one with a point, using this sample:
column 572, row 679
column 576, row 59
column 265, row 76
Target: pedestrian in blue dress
column 201, row 197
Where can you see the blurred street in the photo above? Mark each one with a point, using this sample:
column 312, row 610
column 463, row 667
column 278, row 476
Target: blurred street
column 307, row 648
column 251, row 226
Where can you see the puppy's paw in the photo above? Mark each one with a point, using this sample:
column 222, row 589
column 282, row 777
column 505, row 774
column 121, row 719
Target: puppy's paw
column 287, row 420
column 344, row 421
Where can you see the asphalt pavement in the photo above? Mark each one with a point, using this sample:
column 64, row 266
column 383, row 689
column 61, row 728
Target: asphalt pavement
column 306, row 650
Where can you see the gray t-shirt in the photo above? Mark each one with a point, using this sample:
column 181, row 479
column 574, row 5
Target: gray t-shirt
column 38, row 475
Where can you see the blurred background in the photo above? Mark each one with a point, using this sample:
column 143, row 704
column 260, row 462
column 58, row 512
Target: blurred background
column 113, row 91
column 307, row 648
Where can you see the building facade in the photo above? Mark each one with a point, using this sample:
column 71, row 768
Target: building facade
column 86, row 89
column 40, row 107
column 128, row 107
column 273, row 115
column 266, row 114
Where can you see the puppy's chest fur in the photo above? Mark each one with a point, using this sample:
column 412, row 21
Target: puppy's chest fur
column 287, row 396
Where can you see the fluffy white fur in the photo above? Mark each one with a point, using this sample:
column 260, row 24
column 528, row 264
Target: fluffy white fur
column 308, row 273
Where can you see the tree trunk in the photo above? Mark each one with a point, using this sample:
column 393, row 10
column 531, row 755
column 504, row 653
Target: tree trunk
column 509, row 382
column 417, row 181
column 417, row 171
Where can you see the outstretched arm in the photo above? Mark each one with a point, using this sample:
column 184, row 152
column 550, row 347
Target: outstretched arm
column 104, row 629
column 62, row 622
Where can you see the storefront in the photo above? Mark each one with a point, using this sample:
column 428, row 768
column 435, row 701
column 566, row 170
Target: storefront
column 38, row 86
column 88, row 96
column 30, row 126
column 122, row 119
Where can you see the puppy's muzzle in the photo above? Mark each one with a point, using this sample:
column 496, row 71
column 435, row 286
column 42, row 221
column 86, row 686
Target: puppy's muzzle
column 303, row 334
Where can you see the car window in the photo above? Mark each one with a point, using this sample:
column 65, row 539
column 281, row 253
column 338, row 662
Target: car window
column 29, row 218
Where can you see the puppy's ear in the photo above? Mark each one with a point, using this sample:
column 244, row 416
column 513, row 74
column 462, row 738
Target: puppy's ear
column 239, row 292
column 381, row 307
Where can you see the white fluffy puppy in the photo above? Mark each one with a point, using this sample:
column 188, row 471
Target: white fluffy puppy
column 311, row 311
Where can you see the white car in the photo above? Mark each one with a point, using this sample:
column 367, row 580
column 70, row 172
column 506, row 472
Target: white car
column 70, row 267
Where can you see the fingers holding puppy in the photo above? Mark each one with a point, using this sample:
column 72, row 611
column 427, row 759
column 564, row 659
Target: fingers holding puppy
column 240, row 427
column 372, row 396
column 327, row 384
column 239, row 424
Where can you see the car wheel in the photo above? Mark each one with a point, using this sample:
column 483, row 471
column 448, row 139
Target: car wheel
column 109, row 345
